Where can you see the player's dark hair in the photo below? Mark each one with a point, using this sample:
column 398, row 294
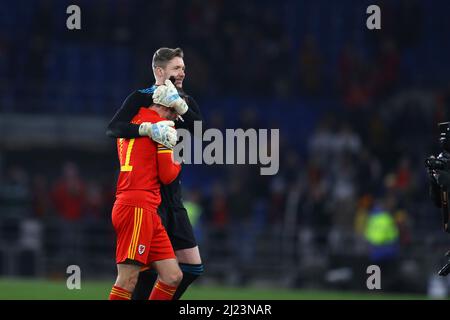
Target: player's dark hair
column 162, row 56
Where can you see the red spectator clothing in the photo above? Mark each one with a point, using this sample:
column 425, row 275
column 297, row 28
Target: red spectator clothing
column 69, row 198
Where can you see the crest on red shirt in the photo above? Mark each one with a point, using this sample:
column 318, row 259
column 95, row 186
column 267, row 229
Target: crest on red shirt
column 141, row 249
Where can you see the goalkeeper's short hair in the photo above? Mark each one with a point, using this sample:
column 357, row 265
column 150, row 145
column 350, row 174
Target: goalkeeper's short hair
column 162, row 56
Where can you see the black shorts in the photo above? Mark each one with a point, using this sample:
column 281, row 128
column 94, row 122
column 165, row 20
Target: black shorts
column 175, row 218
column 178, row 227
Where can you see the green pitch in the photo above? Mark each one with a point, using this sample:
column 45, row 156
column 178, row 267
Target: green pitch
column 99, row 290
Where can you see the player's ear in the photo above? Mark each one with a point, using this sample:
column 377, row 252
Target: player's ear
column 159, row 72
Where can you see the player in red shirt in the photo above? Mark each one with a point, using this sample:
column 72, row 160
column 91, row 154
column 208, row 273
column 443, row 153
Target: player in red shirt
column 141, row 238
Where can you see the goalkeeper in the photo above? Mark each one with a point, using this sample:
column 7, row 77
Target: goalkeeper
column 167, row 64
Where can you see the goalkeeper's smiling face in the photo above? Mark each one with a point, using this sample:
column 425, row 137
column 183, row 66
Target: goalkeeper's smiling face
column 175, row 68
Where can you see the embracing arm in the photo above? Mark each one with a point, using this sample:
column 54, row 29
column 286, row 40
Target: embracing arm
column 120, row 126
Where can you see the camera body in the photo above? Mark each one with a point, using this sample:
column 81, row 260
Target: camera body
column 442, row 162
column 439, row 168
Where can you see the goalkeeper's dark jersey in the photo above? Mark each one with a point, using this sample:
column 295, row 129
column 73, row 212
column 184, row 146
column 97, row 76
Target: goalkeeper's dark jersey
column 120, row 126
column 171, row 197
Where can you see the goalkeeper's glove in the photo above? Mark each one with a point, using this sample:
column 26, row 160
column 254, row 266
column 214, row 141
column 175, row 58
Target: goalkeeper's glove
column 161, row 132
column 168, row 96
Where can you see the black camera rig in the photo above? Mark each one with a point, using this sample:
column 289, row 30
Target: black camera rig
column 442, row 163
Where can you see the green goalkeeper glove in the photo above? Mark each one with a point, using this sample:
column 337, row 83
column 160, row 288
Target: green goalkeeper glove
column 167, row 95
column 162, row 132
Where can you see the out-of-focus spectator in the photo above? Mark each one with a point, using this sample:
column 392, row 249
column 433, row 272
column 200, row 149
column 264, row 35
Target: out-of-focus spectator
column 347, row 141
column 387, row 72
column 277, row 200
column 369, row 173
column 363, row 207
column 321, row 142
column 94, row 201
column 382, row 234
column 41, row 196
column 343, row 194
column 349, row 66
column 378, row 135
column 403, row 176
column 15, row 194
column 310, row 65
column 405, row 227
column 219, row 215
column 354, row 79
column 193, row 204
column 69, row 197
column 68, row 193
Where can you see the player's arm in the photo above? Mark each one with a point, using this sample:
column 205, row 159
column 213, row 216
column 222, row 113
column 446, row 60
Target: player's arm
column 168, row 169
column 120, row 126
column 192, row 114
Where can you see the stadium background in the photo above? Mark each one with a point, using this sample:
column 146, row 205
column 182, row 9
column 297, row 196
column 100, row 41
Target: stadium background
column 357, row 112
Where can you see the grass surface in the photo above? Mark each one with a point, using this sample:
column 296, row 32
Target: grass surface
column 19, row 289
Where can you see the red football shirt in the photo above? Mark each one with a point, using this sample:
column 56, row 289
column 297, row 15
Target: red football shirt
column 144, row 164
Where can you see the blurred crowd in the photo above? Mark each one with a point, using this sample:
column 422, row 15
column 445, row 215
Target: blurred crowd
column 243, row 48
column 343, row 169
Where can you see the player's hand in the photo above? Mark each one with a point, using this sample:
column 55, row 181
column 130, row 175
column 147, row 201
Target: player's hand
column 167, row 95
column 162, row 132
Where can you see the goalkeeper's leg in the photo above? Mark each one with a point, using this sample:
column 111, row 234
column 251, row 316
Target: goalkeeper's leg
column 145, row 283
column 190, row 265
